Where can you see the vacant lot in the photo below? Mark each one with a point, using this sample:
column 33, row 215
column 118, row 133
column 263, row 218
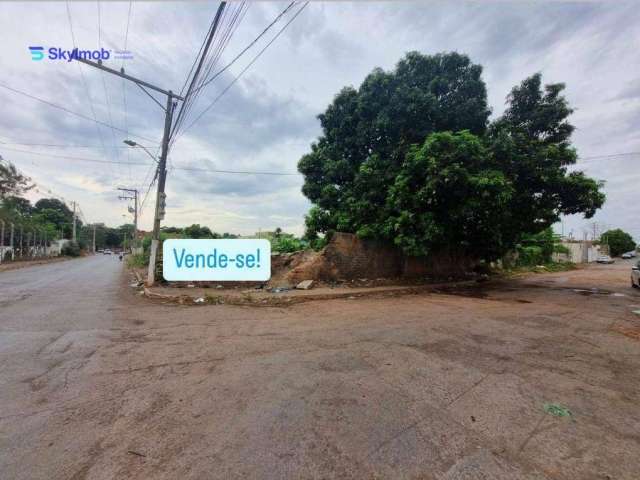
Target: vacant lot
column 429, row 386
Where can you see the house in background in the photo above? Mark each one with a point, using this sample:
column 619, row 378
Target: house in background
column 580, row 251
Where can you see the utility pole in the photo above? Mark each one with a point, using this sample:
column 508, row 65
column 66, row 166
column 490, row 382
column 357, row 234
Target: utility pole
column 133, row 195
column 94, row 238
column 172, row 99
column 2, row 242
column 160, row 195
column 13, row 251
column 73, row 235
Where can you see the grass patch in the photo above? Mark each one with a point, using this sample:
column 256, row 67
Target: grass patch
column 138, row 260
column 543, row 268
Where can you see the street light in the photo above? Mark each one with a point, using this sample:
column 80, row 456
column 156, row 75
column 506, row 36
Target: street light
column 131, row 143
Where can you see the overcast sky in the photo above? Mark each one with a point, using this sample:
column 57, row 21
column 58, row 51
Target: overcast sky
column 267, row 120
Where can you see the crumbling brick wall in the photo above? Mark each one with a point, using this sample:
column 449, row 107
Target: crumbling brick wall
column 347, row 257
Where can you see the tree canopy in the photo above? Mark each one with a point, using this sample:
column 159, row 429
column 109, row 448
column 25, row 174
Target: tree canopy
column 410, row 157
column 619, row 241
column 12, row 182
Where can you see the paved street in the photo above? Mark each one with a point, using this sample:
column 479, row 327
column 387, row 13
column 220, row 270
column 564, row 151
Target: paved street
column 99, row 383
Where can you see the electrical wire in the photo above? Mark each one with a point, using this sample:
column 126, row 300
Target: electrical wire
column 84, row 81
column 124, row 83
column 245, row 68
column 188, row 169
column 253, row 42
column 80, row 115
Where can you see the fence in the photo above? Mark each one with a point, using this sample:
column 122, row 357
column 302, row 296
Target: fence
column 22, row 242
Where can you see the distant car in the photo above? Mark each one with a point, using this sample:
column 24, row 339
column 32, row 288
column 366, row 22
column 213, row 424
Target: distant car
column 635, row 276
column 627, row 255
column 107, row 252
column 604, row 259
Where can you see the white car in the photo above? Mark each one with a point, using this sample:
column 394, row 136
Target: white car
column 629, row 255
column 604, row 259
column 635, row 276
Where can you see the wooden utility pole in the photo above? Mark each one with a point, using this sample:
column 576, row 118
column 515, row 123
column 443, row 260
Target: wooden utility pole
column 172, row 99
column 13, row 250
column 133, row 195
column 73, row 235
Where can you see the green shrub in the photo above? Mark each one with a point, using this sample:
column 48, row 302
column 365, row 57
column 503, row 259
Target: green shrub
column 530, row 255
column 288, row 244
column 71, row 249
column 138, row 260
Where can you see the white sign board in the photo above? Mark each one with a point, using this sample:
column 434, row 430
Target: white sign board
column 221, row 260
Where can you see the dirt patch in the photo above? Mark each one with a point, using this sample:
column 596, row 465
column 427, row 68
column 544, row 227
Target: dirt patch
column 629, row 332
column 6, row 266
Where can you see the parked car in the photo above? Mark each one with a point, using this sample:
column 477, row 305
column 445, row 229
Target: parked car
column 635, row 276
column 631, row 254
column 107, row 252
column 604, row 259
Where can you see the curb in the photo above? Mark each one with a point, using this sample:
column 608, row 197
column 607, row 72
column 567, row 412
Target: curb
column 281, row 300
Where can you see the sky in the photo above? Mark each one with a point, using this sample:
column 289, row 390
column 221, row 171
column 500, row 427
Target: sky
column 268, row 118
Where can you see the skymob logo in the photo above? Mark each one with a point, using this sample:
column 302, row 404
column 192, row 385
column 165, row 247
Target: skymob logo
column 56, row 53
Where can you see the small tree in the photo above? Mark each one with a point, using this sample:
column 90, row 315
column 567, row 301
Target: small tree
column 12, row 182
column 619, row 241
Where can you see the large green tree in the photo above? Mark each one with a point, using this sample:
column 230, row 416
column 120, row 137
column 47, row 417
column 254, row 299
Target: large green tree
column 368, row 131
column 531, row 145
column 408, row 157
column 448, row 197
column 618, row 240
column 55, row 212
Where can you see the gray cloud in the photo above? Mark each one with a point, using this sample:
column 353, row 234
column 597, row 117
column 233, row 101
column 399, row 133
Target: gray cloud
column 268, row 118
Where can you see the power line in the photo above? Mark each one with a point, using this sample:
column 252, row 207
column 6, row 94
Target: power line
column 247, row 67
column 253, row 42
column 188, row 169
column 80, row 115
column 84, row 81
column 104, row 83
column 223, row 34
column 84, row 159
column 202, row 57
column 247, row 172
column 63, row 145
column 612, row 155
column 124, row 87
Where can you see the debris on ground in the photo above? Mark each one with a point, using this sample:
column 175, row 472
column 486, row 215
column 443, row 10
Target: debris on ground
column 199, row 300
column 557, row 410
column 279, row 289
column 305, row 285
column 138, row 454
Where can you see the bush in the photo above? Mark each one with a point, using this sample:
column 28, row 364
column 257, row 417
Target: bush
column 139, row 260
column 530, row 255
column 288, row 244
column 71, row 249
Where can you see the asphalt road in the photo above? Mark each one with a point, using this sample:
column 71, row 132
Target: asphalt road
column 52, row 318
column 98, row 383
